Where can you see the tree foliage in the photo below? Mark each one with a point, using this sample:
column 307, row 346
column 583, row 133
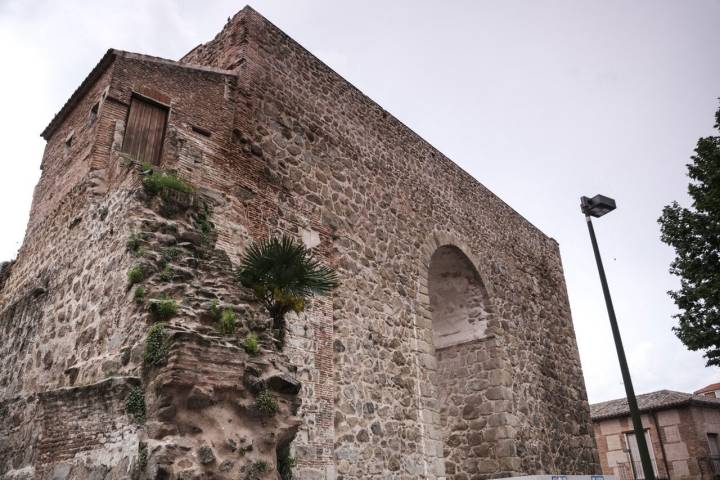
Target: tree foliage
column 694, row 233
column 284, row 274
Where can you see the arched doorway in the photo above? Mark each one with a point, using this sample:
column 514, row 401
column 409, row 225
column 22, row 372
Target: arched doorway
column 463, row 349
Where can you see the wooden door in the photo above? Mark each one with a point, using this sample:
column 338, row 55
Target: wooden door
column 145, row 130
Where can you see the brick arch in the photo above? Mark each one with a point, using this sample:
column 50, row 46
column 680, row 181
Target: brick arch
column 464, row 382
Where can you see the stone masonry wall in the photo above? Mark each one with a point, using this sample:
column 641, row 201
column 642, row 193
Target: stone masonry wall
column 73, row 320
column 465, row 369
column 63, row 326
column 344, row 166
column 275, row 142
column 66, row 334
column 230, row 169
column 469, row 408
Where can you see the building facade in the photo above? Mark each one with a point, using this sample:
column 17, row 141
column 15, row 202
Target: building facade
column 712, row 390
column 448, row 351
column 681, row 430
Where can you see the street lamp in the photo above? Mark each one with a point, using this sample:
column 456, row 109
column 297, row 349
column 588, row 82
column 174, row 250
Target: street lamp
column 598, row 206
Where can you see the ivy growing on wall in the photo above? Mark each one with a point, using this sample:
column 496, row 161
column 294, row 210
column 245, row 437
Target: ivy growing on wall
column 135, row 404
column 157, row 345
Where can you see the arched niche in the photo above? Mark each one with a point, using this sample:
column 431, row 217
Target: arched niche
column 460, row 313
column 458, row 299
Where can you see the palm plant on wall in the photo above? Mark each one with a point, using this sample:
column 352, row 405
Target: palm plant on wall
column 284, row 275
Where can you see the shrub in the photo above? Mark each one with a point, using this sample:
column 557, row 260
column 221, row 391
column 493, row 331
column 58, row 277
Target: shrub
column 103, row 212
column 256, row 470
column 146, row 168
column 167, row 273
column 162, row 309
column 139, row 294
column 266, row 404
column 285, row 463
column 215, row 310
column 156, row 346
column 283, row 274
column 136, row 275
column 133, row 243
column 156, row 182
column 251, row 344
column 228, row 322
column 203, row 223
column 135, row 404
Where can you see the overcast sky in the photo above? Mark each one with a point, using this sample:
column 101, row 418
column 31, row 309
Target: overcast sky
column 541, row 101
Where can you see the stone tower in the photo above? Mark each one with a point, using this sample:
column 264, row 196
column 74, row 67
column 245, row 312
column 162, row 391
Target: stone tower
column 448, row 351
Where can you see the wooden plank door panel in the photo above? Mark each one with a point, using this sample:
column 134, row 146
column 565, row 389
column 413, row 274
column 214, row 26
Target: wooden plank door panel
column 145, row 131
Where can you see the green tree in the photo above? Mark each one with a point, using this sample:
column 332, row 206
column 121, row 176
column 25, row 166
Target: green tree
column 694, row 233
column 284, row 274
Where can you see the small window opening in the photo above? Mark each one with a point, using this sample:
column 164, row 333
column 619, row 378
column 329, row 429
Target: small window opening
column 94, row 113
column 69, row 141
column 200, row 130
column 714, row 449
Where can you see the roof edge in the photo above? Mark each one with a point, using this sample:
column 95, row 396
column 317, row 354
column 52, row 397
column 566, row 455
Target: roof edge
column 173, row 63
column 690, row 400
column 248, row 10
column 74, row 99
column 100, row 68
column 708, row 388
column 658, row 408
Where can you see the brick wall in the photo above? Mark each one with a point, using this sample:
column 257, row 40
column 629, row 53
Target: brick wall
column 75, row 432
column 68, row 156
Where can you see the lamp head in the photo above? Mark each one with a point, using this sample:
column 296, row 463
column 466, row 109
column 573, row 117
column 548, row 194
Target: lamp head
column 597, row 206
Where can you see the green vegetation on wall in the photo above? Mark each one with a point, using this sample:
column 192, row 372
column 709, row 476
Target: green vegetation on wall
column 156, row 183
column 256, row 470
column 139, row 294
column 162, row 309
column 136, row 275
column 285, row 462
column 251, row 344
column 135, row 404
column 156, row 346
column 228, row 322
column 284, row 274
column 266, row 404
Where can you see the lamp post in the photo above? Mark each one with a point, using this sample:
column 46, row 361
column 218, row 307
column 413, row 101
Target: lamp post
column 598, row 206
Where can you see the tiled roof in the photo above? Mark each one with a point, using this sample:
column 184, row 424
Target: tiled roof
column 659, row 400
column 710, row 388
